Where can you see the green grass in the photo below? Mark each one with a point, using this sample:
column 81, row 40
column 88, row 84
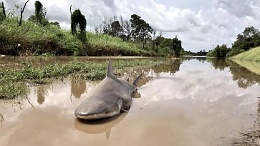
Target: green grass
column 251, row 55
column 36, row 40
column 14, row 83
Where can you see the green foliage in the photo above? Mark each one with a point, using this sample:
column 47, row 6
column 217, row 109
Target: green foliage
column 251, row 55
column 39, row 39
column 78, row 21
column 234, row 52
column 176, row 46
column 219, row 51
column 116, row 29
column 2, row 12
column 250, row 38
column 140, row 29
column 38, row 11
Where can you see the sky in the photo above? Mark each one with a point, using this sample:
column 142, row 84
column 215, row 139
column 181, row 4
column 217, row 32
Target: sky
column 199, row 24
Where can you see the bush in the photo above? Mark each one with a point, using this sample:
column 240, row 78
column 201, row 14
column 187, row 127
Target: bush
column 234, row 52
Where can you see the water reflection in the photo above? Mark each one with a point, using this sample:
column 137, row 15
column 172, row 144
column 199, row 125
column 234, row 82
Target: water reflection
column 218, row 64
column 171, row 66
column 242, row 76
column 41, row 93
column 78, row 87
column 201, row 59
column 185, row 102
column 99, row 126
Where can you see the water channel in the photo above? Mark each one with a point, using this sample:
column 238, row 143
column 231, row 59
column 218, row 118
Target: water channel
column 192, row 101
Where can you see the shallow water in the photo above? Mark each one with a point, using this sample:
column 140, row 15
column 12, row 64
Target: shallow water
column 184, row 102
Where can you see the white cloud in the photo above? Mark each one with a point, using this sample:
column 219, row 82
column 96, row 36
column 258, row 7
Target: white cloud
column 200, row 24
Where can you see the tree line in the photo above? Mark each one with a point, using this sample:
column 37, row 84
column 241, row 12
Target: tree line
column 135, row 30
column 249, row 38
column 139, row 31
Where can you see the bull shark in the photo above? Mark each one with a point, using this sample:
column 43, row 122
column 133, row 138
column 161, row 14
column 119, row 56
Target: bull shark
column 109, row 98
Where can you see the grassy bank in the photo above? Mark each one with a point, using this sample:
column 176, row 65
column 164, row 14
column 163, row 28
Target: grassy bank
column 36, row 40
column 15, row 82
column 251, row 55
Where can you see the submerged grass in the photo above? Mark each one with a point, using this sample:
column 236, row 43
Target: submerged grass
column 14, row 83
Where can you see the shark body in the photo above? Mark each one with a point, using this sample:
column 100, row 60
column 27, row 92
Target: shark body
column 109, row 98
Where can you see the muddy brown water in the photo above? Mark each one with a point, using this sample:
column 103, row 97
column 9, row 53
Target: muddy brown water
column 191, row 102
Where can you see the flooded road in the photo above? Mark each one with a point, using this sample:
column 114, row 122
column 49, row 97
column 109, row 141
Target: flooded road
column 183, row 103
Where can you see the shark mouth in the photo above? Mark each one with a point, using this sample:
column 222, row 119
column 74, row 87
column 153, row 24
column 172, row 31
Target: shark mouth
column 96, row 116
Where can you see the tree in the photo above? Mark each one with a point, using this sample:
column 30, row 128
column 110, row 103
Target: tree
column 78, row 21
column 219, row 51
column 126, row 29
column 22, row 10
column 2, row 14
column 176, row 46
column 249, row 38
column 116, row 28
column 140, row 29
column 38, row 11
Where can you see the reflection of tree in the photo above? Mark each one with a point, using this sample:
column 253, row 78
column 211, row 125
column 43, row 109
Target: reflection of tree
column 40, row 94
column 172, row 67
column 220, row 64
column 78, row 87
column 243, row 76
column 201, row 59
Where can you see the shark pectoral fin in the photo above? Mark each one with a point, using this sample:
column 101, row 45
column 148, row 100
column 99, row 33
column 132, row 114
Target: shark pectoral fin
column 137, row 79
column 124, row 110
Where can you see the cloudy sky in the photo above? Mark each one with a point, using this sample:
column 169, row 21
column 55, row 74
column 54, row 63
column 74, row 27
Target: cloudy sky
column 200, row 24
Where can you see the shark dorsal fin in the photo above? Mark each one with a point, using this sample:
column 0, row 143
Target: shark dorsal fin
column 110, row 72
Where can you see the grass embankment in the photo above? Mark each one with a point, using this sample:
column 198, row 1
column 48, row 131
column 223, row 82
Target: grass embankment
column 251, row 55
column 14, row 83
column 249, row 59
column 36, row 40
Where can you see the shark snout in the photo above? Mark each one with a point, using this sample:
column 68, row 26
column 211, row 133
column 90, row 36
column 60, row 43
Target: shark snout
column 98, row 110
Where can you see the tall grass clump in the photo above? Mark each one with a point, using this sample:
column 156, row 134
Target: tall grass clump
column 34, row 38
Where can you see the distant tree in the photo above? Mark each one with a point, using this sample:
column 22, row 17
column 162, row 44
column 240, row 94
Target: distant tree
column 78, row 21
column 56, row 23
column 2, row 13
column 126, row 29
column 22, row 10
column 176, row 46
column 116, row 28
column 201, row 53
column 249, row 38
column 38, row 11
column 140, row 29
column 219, row 51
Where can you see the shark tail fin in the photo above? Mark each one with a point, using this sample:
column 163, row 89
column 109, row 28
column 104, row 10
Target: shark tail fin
column 110, row 72
column 137, row 79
